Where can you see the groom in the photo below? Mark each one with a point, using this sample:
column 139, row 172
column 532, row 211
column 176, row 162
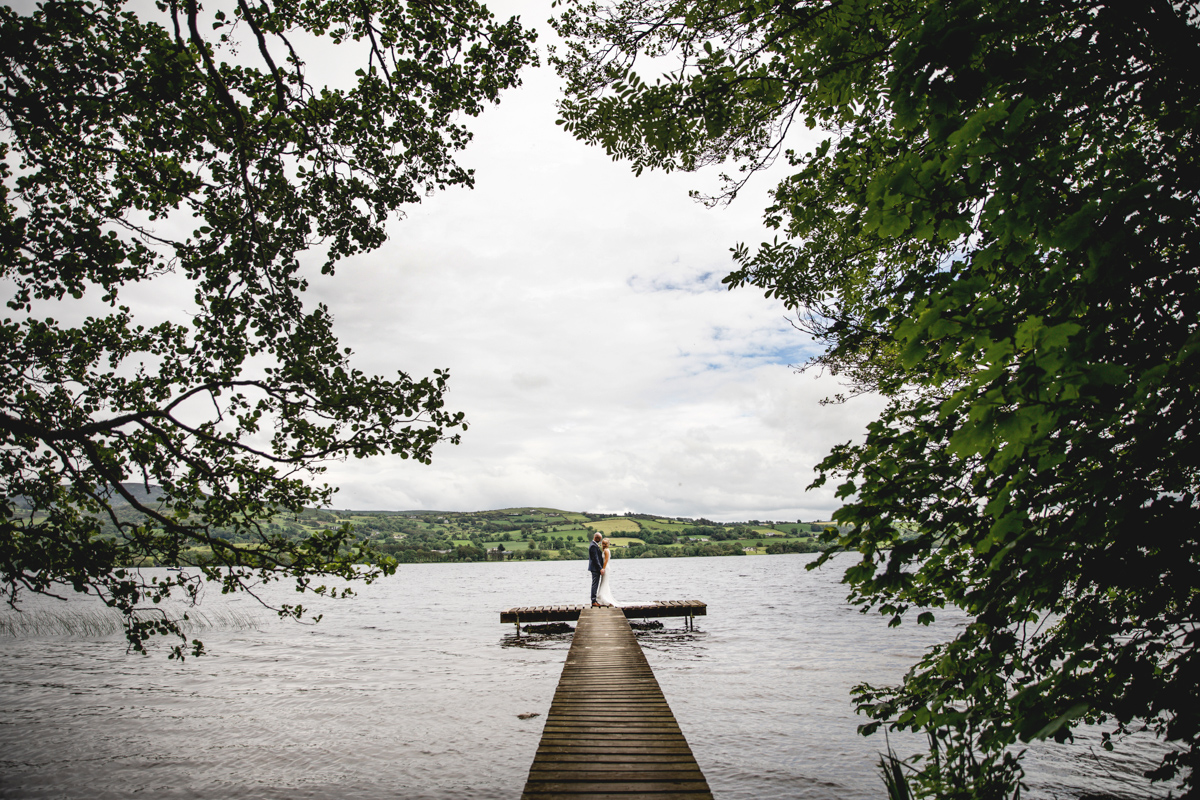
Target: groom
column 595, row 565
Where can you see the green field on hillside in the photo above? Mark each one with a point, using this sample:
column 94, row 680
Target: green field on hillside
column 522, row 532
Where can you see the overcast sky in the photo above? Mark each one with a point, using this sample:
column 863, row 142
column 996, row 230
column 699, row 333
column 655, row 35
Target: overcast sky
column 601, row 364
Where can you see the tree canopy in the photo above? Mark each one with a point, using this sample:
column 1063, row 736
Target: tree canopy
column 200, row 143
column 998, row 232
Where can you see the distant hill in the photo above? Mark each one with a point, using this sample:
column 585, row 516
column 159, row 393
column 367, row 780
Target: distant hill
column 153, row 494
column 509, row 534
column 147, row 495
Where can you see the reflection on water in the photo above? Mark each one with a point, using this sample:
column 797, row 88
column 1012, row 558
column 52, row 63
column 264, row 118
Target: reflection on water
column 413, row 689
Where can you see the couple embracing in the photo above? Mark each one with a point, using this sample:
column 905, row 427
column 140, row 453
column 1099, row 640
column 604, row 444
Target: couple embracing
column 598, row 557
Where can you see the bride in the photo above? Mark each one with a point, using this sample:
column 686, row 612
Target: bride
column 604, row 594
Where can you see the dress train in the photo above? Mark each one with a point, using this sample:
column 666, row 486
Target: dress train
column 604, row 594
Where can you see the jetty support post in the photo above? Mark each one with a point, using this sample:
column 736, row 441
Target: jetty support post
column 687, row 609
column 517, row 618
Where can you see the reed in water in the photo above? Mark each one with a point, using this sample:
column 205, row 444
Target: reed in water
column 99, row 621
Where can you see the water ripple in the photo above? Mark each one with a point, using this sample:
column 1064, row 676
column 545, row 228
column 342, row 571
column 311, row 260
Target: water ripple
column 412, row 689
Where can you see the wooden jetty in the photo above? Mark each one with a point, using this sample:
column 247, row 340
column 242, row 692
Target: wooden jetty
column 566, row 613
column 610, row 734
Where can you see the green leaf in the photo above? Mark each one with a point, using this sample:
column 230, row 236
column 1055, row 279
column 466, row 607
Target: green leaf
column 1074, row 712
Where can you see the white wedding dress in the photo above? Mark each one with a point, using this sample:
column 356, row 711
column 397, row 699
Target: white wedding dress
column 604, row 594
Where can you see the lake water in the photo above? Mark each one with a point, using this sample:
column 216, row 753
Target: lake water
column 413, row 690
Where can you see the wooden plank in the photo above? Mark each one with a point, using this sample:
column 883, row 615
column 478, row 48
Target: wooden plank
column 610, row 733
column 614, row 747
column 658, row 722
column 570, row 613
column 574, row 714
column 603, row 726
column 623, row 734
column 652, row 716
column 614, row 773
column 613, row 795
column 644, row 787
column 668, row 761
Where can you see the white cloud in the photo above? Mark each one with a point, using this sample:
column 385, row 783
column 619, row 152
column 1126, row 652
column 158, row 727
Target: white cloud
column 601, row 363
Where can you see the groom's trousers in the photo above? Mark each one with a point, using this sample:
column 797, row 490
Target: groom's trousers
column 595, row 584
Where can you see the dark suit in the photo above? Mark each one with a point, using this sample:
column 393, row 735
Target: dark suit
column 595, row 564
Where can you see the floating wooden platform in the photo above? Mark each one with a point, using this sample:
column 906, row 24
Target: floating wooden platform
column 610, row 733
column 564, row 613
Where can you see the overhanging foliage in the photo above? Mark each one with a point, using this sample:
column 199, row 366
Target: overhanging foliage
column 197, row 141
column 998, row 232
